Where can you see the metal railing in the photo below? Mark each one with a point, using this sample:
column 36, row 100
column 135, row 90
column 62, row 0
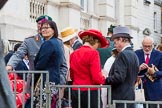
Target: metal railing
column 70, row 89
column 158, row 104
column 28, row 89
column 89, row 87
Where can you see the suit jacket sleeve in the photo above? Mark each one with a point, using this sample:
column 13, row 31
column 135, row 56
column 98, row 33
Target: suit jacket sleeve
column 158, row 74
column 95, row 68
column 119, row 70
column 64, row 67
column 19, row 55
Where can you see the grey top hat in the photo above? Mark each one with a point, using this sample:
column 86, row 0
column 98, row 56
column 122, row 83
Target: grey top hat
column 121, row 32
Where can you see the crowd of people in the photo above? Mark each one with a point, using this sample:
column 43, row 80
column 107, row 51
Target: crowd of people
column 71, row 61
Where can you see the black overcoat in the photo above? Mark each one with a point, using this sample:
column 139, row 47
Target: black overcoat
column 122, row 76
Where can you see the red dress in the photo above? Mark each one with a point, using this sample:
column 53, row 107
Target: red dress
column 85, row 67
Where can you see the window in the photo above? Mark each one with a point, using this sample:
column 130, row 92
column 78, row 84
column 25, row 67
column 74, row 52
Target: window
column 155, row 21
column 37, row 8
column 84, row 5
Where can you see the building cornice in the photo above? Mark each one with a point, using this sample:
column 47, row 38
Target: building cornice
column 132, row 6
column 64, row 4
column 134, row 27
column 53, row 3
column 106, row 4
column 70, row 5
column 92, row 16
column 89, row 16
column 107, row 18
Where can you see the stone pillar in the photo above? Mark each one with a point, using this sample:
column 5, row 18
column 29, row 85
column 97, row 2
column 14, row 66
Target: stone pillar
column 107, row 15
column 130, row 19
column 91, row 6
column 119, row 12
column 69, row 15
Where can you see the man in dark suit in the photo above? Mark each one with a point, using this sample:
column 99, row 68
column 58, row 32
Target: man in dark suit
column 124, row 71
column 70, row 38
column 8, row 56
column 21, row 65
column 148, row 56
column 75, row 43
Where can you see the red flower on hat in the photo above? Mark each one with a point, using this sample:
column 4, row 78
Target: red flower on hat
column 97, row 34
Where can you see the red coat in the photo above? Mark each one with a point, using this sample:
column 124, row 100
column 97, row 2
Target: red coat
column 85, row 67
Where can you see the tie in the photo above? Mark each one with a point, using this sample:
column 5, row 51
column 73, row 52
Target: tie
column 147, row 59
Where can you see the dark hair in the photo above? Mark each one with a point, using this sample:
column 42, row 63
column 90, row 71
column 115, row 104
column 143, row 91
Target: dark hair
column 124, row 39
column 115, row 52
column 16, row 46
column 53, row 26
column 91, row 39
column 67, row 42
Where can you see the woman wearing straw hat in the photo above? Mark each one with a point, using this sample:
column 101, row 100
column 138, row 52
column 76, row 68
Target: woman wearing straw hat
column 85, row 68
column 68, row 34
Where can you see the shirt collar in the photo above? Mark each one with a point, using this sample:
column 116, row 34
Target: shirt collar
column 126, row 47
column 41, row 38
column 74, row 43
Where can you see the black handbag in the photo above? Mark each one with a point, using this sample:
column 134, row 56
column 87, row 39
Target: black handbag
column 65, row 103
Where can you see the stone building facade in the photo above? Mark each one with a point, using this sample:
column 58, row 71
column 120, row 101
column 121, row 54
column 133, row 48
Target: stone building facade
column 143, row 17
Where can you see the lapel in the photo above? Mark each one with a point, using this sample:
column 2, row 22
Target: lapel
column 142, row 57
column 75, row 44
column 128, row 48
column 153, row 54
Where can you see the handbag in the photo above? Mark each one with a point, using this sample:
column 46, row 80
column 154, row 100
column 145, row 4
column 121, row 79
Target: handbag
column 139, row 93
column 65, row 103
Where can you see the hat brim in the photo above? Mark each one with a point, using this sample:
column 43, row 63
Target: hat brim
column 123, row 35
column 104, row 42
column 65, row 39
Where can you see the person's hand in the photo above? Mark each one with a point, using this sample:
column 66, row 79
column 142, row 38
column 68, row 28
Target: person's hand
column 9, row 68
column 104, row 74
column 143, row 66
column 138, row 81
column 151, row 70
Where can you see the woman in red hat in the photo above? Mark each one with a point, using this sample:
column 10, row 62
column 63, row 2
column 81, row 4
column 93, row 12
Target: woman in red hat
column 85, row 68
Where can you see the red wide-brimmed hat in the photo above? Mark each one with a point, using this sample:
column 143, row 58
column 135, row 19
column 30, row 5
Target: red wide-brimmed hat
column 97, row 34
